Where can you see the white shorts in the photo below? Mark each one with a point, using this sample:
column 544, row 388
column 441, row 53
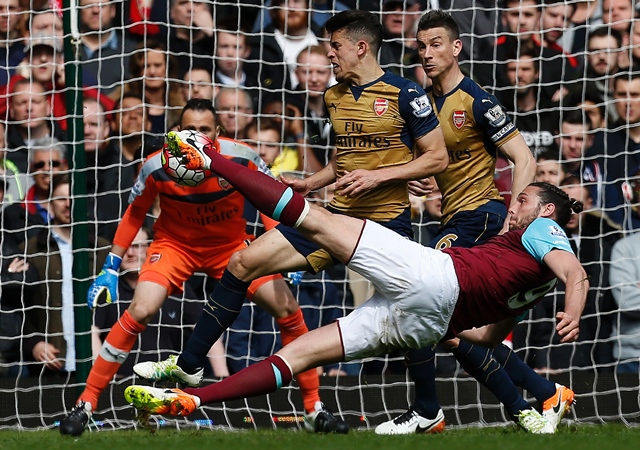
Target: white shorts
column 416, row 294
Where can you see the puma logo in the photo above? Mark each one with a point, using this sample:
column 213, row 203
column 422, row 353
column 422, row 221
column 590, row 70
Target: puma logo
column 334, row 106
column 112, row 354
column 413, row 90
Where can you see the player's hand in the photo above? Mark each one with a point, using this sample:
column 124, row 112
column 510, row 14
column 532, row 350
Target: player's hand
column 568, row 327
column 420, row 188
column 505, row 226
column 357, row 182
column 297, row 184
column 106, row 282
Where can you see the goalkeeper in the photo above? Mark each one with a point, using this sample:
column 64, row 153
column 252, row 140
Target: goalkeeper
column 197, row 230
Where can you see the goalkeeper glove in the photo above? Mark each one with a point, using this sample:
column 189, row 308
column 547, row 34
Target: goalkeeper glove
column 106, row 281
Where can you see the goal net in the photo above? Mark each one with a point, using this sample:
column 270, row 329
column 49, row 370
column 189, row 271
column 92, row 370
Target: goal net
column 139, row 61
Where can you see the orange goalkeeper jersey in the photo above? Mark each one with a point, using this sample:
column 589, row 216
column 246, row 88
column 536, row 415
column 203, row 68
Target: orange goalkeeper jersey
column 208, row 215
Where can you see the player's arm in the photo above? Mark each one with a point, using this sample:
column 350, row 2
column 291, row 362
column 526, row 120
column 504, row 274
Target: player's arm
column 142, row 196
column 106, row 283
column 322, row 178
column 524, row 167
column 568, row 269
column 489, row 335
column 432, row 158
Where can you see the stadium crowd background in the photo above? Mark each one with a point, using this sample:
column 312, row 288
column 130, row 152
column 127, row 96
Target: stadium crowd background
column 566, row 72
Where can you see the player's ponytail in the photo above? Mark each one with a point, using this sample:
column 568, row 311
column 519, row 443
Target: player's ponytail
column 576, row 205
column 548, row 193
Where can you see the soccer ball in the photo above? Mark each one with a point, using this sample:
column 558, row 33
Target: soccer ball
column 173, row 165
column 177, row 172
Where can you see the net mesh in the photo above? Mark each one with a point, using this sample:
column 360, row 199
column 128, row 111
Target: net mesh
column 165, row 53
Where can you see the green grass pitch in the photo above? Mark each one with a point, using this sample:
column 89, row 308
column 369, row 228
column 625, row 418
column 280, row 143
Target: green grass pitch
column 583, row 437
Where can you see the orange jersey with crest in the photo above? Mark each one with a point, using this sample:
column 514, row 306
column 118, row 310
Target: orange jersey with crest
column 207, row 215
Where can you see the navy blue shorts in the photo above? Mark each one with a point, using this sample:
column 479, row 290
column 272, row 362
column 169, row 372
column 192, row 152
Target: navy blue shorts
column 319, row 259
column 470, row 228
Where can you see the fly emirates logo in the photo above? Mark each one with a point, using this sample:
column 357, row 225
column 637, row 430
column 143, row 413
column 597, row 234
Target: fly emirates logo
column 208, row 214
column 354, row 136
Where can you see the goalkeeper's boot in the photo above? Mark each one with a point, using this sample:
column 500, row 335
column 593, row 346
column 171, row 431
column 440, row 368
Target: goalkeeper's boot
column 555, row 407
column 321, row 420
column 173, row 402
column 76, row 421
column 532, row 421
column 193, row 158
column 168, row 370
column 412, row 422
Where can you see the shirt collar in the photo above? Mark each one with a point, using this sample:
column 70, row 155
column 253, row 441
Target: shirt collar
column 110, row 44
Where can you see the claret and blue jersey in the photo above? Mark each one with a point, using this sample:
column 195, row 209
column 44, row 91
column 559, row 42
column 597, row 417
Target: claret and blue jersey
column 506, row 275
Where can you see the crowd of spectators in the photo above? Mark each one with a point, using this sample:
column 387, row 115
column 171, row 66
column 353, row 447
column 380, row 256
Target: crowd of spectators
column 567, row 72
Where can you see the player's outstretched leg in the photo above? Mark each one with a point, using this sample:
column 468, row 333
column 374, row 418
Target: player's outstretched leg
column 425, row 415
column 261, row 378
column 317, row 418
column 270, row 197
column 556, row 400
column 173, row 402
column 221, row 310
column 269, row 375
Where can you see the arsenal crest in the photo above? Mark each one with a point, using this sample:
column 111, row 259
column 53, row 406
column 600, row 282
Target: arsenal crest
column 155, row 257
column 380, row 106
column 459, row 118
column 224, row 184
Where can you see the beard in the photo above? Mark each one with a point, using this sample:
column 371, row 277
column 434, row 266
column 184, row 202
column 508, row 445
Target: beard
column 524, row 222
column 522, row 92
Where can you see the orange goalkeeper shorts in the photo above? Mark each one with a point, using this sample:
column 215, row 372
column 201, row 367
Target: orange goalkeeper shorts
column 170, row 265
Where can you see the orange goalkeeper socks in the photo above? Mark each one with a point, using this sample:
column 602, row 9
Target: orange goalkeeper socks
column 292, row 327
column 114, row 351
